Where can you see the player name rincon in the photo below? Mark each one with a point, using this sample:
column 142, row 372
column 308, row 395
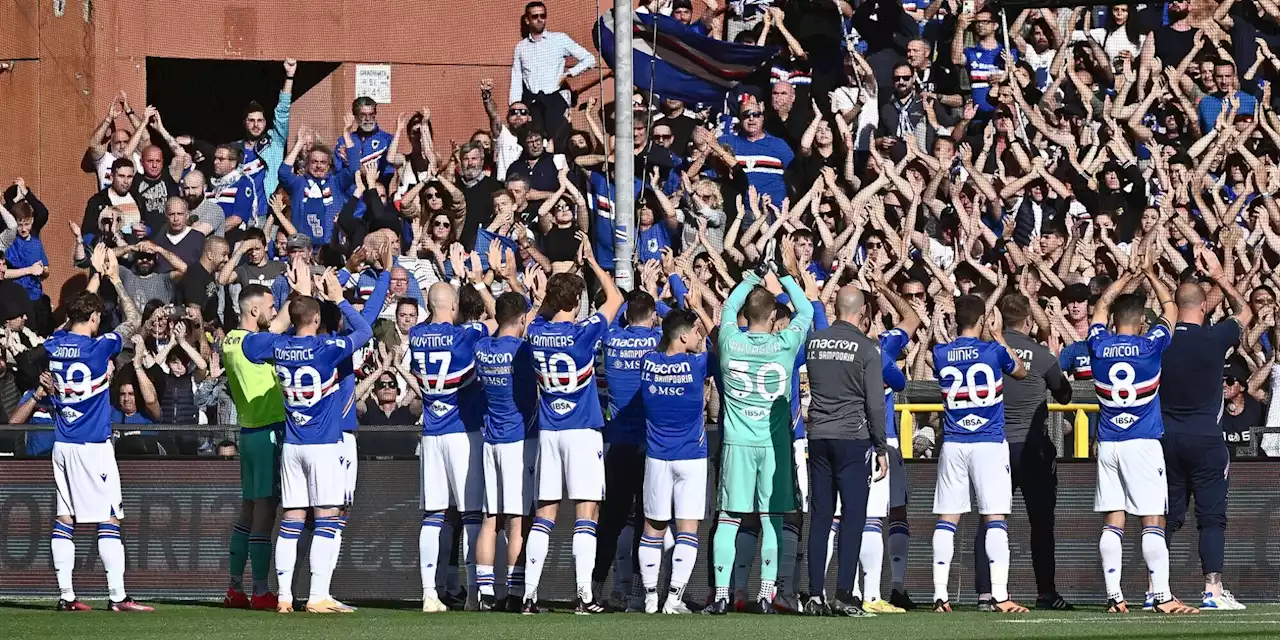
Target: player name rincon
column 1121, row 351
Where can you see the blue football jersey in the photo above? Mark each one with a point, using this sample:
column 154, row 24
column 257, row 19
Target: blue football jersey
column 40, row 443
column 971, row 374
column 309, row 369
column 624, row 349
column 1074, row 361
column 443, row 356
column 892, row 343
column 81, row 370
column 564, row 356
column 1126, row 375
column 673, row 408
column 504, row 365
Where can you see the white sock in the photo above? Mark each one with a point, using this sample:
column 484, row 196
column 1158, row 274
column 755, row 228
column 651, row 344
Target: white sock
column 787, row 557
column 683, row 557
column 1111, row 546
column 857, row 584
column 944, row 547
column 668, row 541
column 998, row 554
column 833, row 537
column 1156, row 553
column 535, row 553
column 899, row 542
column 484, row 579
column 744, row 557
column 584, row 556
column 342, row 528
column 429, row 552
column 111, row 550
column 871, row 556
column 62, row 545
column 287, row 557
column 622, row 559
column 470, row 531
column 324, row 546
column 650, row 556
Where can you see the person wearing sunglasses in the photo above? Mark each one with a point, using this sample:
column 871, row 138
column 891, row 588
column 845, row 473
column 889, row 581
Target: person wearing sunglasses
column 762, row 157
column 538, row 68
column 1241, row 412
column 506, row 145
column 983, row 60
column 904, row 114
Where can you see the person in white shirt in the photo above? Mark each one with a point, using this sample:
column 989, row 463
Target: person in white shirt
column 537, row 69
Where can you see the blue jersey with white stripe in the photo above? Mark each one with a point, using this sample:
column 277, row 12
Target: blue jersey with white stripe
column 564, row 356
column 504, row 365
column 1075, row 362
column 624, row 348
column 81, row 370
column 40, row 442
column 971, row 374
column 1126, row 375
column 309, row 369
column 443, row 356
column 673, row 408
column 892, row 342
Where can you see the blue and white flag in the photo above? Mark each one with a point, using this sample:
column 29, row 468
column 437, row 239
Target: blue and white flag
column 680, row 63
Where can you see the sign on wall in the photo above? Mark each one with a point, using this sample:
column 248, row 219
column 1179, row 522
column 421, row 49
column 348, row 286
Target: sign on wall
column 374, row 80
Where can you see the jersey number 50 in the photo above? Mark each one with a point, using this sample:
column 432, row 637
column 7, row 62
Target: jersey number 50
column 740, row 372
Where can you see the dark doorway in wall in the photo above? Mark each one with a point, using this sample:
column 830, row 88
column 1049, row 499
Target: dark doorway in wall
column 206, row 98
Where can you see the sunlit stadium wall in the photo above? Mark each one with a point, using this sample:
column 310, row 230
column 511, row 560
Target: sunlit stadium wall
column 178, row 514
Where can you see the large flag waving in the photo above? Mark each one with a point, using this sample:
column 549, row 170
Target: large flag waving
column 680, row 63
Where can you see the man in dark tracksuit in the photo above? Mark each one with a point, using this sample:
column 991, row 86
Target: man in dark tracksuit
column 846, row 422
column 1032, row 456
column 1195, row 453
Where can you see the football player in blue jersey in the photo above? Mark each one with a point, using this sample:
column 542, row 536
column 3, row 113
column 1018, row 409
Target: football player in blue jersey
column 675, row 479
column 971, row 370
column 84, row 462
column 504, row 366
column 1131, row 467
column 570, row 446
column 308, row 364
column 625, row 346
column 442, row 356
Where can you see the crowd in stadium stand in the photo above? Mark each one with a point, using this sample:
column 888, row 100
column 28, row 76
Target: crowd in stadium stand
column 897, row 145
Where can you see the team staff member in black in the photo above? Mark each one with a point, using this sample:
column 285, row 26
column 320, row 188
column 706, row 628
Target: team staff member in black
column 1195, row 453
column 1032, row 456
column 846, row 421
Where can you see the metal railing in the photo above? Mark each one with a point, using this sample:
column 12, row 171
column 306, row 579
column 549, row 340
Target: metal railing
column 1080, row 430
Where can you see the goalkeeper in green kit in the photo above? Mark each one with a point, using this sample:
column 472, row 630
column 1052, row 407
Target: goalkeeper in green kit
column 260, row 410
column 756, row 468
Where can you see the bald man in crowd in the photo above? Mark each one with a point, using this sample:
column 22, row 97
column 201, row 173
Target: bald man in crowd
column 846, row 420
column 1195, row 454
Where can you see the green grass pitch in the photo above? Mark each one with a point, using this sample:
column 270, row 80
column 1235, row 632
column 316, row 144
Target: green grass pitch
column 187, row 621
